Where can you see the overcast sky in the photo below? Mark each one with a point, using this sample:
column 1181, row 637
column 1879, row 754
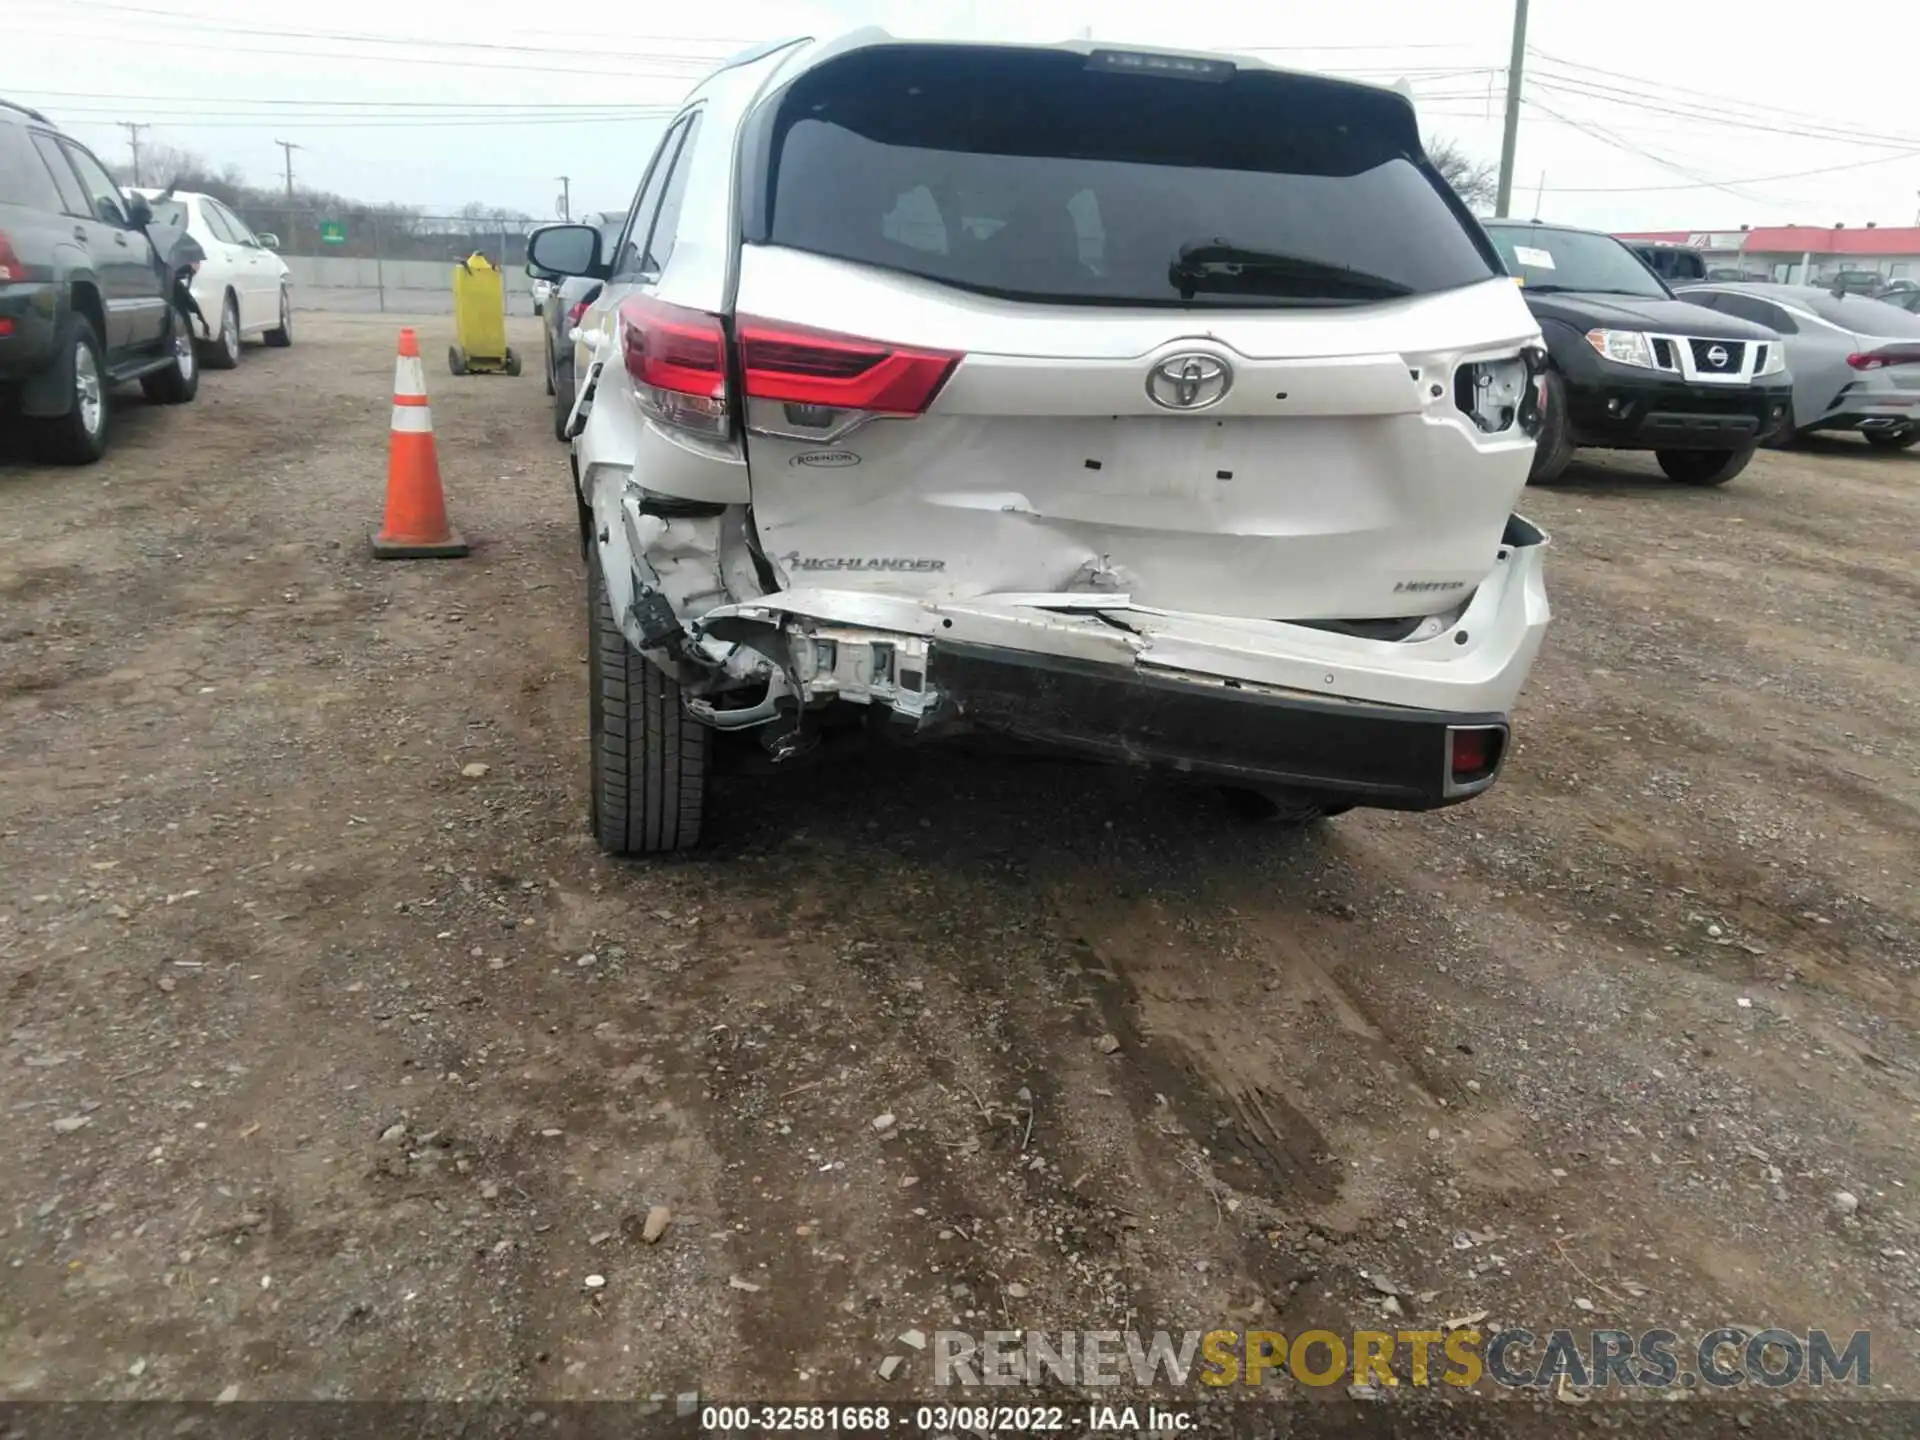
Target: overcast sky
column 435, row 103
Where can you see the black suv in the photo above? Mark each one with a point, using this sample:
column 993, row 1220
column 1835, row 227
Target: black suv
column 1632, row 368
column 85, row 299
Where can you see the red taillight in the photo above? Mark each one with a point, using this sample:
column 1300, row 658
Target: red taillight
column 674, row 349
column 678, row 360
column 6, row 328
column 10, row 267
column 839, row 372
column 1887, row 355
column 576, row 310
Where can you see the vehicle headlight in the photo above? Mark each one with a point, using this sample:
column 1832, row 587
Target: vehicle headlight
column 1623, row 347
column 1776, row 360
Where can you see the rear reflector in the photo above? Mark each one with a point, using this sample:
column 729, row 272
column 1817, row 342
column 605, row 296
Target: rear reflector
column 1473, row 753
column 840, row 372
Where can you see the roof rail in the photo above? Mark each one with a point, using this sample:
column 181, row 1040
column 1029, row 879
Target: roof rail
column 27, row 110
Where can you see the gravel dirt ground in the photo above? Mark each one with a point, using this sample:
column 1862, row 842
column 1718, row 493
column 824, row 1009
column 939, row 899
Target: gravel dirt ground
column 336, row 1067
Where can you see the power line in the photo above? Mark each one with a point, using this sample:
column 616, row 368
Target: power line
column 1614, row 95
column 1601, row 134
column 407, row 122
column 625, row 72
column 1747, row 180
column 200, row 23
column 1722, row 102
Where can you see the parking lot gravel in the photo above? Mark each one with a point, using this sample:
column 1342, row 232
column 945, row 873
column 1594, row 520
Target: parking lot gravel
column 337, row 1063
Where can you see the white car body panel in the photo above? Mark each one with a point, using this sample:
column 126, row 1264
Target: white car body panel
column 253, row 274
column 1355, row 489
column 1317, row 505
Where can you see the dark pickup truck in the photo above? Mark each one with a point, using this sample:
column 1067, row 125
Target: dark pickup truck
column 86, row 299
column 1632, row 367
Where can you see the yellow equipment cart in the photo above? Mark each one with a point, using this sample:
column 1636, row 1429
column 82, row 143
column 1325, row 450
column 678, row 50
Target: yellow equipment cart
column 480, row 321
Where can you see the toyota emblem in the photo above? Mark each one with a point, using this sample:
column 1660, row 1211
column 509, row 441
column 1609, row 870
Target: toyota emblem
column 1717, row 357
column 1190, row 381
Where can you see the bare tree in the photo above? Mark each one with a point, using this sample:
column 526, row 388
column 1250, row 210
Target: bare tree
column 1472, row 180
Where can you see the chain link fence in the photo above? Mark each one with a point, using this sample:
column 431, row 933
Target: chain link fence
column 390, row 260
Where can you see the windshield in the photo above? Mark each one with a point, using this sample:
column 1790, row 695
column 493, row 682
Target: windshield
column 1547, row 259
column 1039, row 175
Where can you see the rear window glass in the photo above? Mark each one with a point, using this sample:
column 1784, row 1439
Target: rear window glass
column 1038, row 176
column 1865, row 317
column 23, row 178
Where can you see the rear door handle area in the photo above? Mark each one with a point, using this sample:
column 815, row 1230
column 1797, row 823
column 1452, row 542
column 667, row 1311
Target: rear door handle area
column 80, row 233
column 120, row 237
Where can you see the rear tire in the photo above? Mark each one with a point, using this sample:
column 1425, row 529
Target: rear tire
column 1894, row 439
column 456, row 360
column 562, row 405
column 1553, row 448
column 180, row 381
column 78, row 437
column 513, row 361
column 649, row 758
column 1703, row 467
column 223, row 353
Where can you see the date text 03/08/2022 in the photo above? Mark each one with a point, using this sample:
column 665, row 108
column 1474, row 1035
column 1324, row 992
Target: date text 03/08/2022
column 943, row 1419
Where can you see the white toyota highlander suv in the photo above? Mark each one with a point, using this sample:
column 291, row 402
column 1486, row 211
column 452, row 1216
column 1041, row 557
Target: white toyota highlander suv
column 1163, row 407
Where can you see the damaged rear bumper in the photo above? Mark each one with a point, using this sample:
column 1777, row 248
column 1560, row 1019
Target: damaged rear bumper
column 1370, row 754
column 1258, row 702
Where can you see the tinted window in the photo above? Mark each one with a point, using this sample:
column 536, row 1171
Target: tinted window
column 73, row 199
column 1863, row 316
column 1547, row 259
column 646, row 205
column 1747, row 307
column 23, row 179
column 242, row 235
column 660, row 247
column 216, row 223
column 1673, row 266
column 1039, row 175
column 103, row 195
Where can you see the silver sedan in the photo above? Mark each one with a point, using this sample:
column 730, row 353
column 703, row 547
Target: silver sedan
column 1855, row 361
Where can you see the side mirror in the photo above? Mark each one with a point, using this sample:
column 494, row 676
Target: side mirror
column 565, row 250
column 139, row 211
column 268, row 240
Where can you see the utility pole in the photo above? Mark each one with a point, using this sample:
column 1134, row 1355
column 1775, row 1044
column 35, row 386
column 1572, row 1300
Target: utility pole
column 1510, row 137
column 289, row 147
column 566, row 197
column 133, row 129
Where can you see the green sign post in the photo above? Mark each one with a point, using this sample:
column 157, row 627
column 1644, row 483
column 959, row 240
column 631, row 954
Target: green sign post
column 332, row 232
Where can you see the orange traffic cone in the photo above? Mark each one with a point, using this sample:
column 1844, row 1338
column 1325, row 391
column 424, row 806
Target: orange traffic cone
column 416, row 522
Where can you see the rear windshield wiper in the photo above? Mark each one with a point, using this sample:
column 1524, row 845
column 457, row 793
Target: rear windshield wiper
column 1221, row 265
